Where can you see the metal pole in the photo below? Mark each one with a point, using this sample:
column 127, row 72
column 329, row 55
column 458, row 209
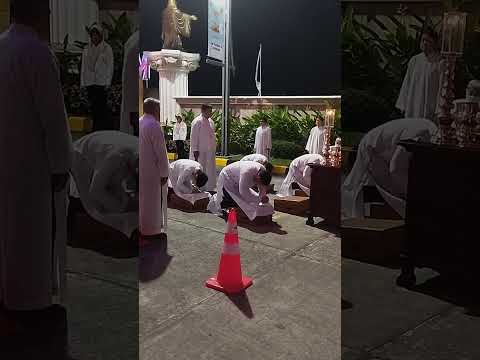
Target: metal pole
column 226, row 78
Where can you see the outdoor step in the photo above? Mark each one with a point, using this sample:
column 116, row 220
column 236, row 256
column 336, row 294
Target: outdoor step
column 293, row 205
column 377, row 241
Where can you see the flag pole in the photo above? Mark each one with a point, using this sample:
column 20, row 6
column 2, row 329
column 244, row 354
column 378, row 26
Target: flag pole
column 226, row 78
column 260, row 69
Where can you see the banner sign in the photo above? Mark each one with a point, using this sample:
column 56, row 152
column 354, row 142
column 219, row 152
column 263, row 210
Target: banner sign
column 216, row 29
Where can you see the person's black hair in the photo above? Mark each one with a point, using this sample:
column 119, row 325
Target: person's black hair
column 95, row 30
column 206, row 107
column 265, row 177
column 269, row 167
column 202, row 179
column 429, row 31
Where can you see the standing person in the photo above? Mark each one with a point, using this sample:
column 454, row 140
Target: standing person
column 263, row 139
column 96, row 76
column 130, row 84
column 420, row 89
column 179, row 136
column 203, row 145
column 154, row 169
column 36, row 155
column 315, row 140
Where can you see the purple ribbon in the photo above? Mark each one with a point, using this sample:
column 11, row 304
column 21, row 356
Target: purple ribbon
column 144, row 69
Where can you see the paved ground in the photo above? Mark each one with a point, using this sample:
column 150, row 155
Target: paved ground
column 291, row 312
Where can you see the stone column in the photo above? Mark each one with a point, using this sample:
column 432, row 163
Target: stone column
column 173, row 67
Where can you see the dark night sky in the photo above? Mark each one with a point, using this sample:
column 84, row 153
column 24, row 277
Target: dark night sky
column 301, row 45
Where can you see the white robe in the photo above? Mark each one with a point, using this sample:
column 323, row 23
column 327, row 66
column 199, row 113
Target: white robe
column 382, row 163
column 130, row 82
column 261, row 159
column 153, row 166
column 237, row 180
column 100, row 162
column 203, row 140
column 263, row 141
column 181, row 177
column 180, row 131
column 300, row 173
column 35, row 142
column 315, row 141
column 421, row 88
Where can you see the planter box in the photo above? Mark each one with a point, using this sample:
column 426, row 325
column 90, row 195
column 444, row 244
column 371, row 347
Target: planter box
column 80, row 123
column 294, row 205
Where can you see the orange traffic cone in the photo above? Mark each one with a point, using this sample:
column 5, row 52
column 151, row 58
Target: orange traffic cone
column 229, row 278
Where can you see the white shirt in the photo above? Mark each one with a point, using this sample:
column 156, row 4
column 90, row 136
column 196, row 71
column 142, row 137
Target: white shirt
column 180, row 131
column 420, row 89
column 97, row 65
column 315, row 140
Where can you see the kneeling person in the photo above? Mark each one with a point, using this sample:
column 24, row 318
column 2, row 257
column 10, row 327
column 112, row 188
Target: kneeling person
column 300, row 173
column 186, row 178
column 234, row 188
column 261, row 159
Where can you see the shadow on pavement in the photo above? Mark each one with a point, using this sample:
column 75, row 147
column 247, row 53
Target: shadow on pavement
column 273, row 228
column 460, row 293
column 153, row 260
column 242, row 302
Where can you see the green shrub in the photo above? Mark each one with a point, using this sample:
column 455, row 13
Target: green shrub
column 286, row 149
column 362, row 111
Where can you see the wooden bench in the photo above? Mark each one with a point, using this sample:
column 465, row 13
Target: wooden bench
column 376, row 241
column 176, row 202
column 259, row 220
column 294, row 205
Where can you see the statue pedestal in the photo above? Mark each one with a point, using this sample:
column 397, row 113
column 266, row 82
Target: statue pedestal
column 173, row 67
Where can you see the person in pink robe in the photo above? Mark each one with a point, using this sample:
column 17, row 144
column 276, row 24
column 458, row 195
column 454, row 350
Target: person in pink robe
column 153, row 172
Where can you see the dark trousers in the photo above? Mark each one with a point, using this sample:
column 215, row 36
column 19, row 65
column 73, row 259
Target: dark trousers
column 97, row 97
column 227, row 201
column 134, row 123
column 180, row 144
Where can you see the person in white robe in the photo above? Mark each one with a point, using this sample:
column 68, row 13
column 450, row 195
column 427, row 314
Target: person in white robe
column 259, row 158
column 105, row 169
column 96, row 76
column 203, row 145
column 186, row 178
column 130, row 85
column 154, row 169
column 315, row 140
column 234, row 189
column 36, row 156
column 299, row 172
column 420, row 89
column 179, row 136
column 263, row 140
column 382, row 163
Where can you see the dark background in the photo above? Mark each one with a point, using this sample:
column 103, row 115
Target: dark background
column 301, row 45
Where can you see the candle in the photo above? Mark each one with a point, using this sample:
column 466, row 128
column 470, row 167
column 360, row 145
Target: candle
column 454, row 24
column 330, row 117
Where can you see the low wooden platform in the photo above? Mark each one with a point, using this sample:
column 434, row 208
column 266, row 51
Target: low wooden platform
column 300, row 193
column 376, row 241
column 259, row 220
column 176, row 202
column 294, row 205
